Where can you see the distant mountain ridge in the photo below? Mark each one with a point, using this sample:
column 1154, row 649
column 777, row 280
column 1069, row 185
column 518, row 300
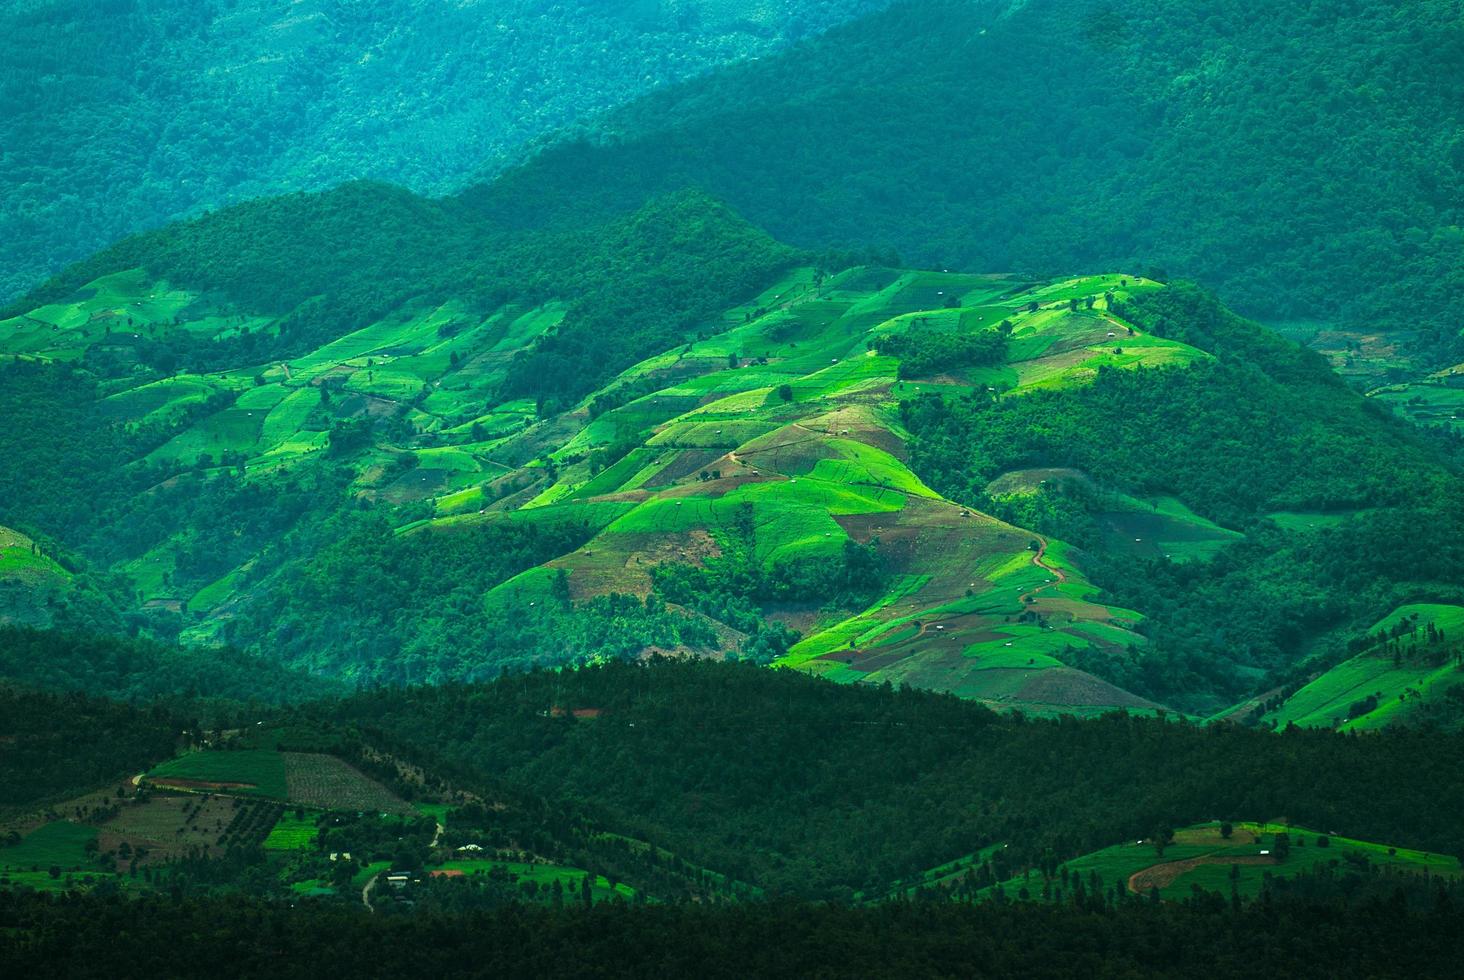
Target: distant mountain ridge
column 118, row 115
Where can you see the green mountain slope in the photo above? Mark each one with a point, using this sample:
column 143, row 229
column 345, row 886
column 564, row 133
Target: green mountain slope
column 1305, row 162
column 371, row 435
column 121, row 115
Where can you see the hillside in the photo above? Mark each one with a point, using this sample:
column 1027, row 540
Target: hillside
column 1310, row 174
column 657, row 776
column 1408, row 670
column 476, row 448
column 121, row 115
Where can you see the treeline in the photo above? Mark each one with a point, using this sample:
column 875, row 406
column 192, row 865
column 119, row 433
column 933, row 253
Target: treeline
column 235, row 936
column 806, row 788
column 138, row 669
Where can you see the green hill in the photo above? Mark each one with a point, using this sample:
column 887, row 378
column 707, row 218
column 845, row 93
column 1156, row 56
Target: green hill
column 1239, row 859
column 30, row 580
column 1409, row 669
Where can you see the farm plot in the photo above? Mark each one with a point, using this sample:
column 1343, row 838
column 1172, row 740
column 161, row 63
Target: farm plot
column 324, row 781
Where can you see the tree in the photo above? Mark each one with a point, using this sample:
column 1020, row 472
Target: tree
column 785, row 392
column 1226, row 829
column 1282, row 847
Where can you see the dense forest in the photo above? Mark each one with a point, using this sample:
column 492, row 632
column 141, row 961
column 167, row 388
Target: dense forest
column 57, row 744
column 124, row 114
column 113, row 937
column 1271, row 151
column 142, row 670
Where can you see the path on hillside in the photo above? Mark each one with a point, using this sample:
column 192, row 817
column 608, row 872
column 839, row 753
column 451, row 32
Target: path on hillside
column 1038, row 560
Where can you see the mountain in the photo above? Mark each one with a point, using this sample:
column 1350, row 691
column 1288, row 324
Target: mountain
column 121, row 115
column 1304, row 162
column 388, row 438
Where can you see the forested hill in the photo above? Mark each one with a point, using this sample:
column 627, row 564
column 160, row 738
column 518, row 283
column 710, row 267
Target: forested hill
column 1303, row 158
column 117, row 115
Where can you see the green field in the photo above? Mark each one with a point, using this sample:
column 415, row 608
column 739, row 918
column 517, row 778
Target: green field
column 292, row 833
column 251, row 772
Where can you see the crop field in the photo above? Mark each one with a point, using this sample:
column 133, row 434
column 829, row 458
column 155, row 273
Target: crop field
column 293, row 833
column 60, row 843
column 258, row 772
column 318, row 780
column 170, row 825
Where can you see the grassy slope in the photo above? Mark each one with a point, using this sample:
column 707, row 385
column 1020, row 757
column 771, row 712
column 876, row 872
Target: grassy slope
column 1399, row 684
